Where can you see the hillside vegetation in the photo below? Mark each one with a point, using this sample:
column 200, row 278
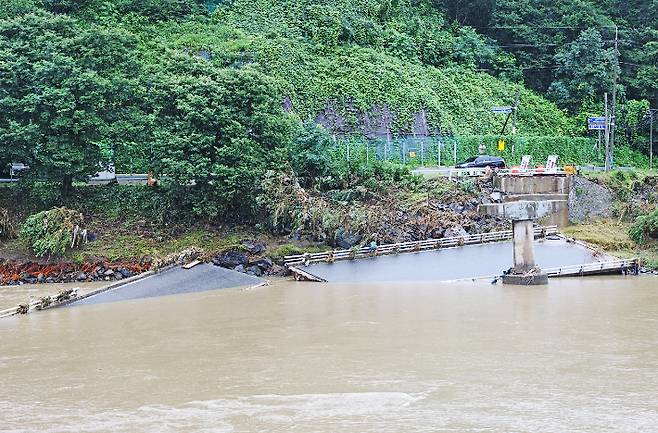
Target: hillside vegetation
column 210, row 96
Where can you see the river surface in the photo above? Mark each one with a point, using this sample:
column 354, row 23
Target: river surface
column 580, row 355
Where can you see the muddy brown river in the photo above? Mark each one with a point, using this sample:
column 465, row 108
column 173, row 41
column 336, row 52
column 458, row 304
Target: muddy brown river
column 580, row 355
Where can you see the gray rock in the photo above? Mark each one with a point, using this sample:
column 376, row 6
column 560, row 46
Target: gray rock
column 456, row 207
column 278, row 270
column 589, row 200
column 455, row 232
column 255, row 270
column 437, row 233
column 345, row 239
column 239, row 268
column 253, row 247
column 231, row 259
column 82, row 276
column 126, row 273
column 264, row 264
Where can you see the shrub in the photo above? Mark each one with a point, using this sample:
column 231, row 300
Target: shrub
column 645, row 228
column 53, row 231
column 6, row 226
column 620, row 176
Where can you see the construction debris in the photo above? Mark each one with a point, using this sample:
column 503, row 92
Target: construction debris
column 12, row 273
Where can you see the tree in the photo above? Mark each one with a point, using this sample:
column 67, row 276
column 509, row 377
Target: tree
column 161, row 10
column 216, row 131
column 585, row 69
column 474, row 13
column 309, row 154
column 64, row 6
column 63, row 89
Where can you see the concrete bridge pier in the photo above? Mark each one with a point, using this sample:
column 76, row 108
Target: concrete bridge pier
column 525, row 270
column 522, row 213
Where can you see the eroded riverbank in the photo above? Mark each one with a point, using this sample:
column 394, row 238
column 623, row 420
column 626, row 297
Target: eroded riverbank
column 578, row 355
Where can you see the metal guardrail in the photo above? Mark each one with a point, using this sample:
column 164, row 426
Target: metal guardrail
column 407, row 247
column 594, row 268
column 478, row 172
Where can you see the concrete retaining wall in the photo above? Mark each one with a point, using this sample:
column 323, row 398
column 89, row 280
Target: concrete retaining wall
column 533, row 184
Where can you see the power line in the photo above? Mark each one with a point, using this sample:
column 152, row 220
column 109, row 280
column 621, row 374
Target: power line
column 543, row 27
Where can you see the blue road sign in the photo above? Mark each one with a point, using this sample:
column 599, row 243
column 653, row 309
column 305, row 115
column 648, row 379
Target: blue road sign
column 502, row 110
column 596, row 120
column 596, row 126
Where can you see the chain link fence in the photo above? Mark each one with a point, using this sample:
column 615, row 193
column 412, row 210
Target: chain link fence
column 448, row 151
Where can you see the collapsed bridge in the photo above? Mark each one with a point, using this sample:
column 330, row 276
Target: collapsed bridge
column 457, row 258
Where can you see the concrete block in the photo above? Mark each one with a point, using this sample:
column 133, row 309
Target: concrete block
column 523, row 209
column 540, row 279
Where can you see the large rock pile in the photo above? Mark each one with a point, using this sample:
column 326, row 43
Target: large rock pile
column 248, row 259
column 588, row 200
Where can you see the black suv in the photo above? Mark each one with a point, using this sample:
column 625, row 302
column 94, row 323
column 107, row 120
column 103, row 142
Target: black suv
column 483, row 161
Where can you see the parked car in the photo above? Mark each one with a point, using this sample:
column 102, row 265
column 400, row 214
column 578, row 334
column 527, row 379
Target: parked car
column 15, row 168
column 482, row 161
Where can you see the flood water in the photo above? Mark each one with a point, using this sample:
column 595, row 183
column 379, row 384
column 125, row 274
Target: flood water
column 580, row 355
column 11, row 296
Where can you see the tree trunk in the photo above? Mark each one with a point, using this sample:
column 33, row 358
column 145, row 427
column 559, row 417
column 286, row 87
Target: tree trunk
column 67, row 185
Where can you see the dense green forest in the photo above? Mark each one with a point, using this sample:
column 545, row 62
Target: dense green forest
column 215, row 93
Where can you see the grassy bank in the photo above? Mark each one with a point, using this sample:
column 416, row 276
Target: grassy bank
column 635, row 194
column 132, row 222
column 611, row 236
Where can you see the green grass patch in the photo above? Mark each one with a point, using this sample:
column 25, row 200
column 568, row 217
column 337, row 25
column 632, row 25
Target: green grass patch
column 613, row 238
column 608, row 234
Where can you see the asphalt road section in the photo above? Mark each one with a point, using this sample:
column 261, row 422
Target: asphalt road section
column 175, row 281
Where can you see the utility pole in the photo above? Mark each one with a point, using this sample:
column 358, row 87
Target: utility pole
column 516, row 107
column 606, row 134
column 652, row 112
column 613, row 114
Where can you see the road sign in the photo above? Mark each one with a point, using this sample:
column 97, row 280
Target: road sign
column 596, row 119
column 502, row 110
column 594, row 126
column 501, row 145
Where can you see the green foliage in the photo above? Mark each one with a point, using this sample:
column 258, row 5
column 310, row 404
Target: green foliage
column 13, row 8
column 535, row 31
column 161, row 10
column 216, row 130
column 65, row 89
column 158, row 85
column 310, row 154
column 51, row 232
column 585, row 69
column 359, row 82
column 64, row 6
column 632, row 125
column 645, row 228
